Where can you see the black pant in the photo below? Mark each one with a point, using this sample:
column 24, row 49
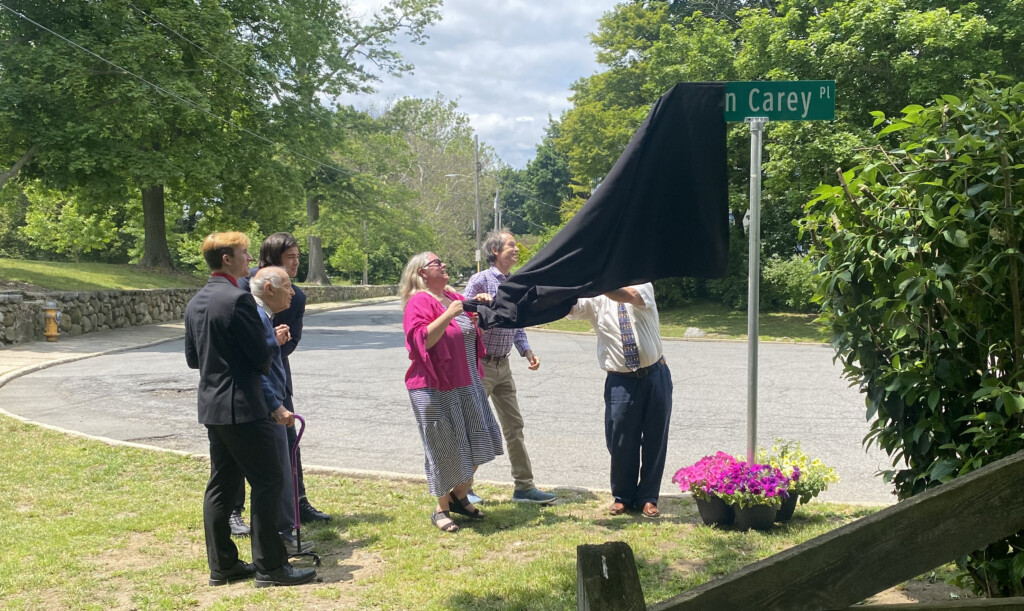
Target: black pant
column 240, row 452
column 292, row 436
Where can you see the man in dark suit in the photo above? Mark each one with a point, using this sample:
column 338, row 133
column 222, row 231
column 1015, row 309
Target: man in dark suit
column 224, row 340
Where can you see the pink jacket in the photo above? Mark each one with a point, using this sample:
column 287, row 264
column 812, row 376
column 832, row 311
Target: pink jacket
column 443, row 367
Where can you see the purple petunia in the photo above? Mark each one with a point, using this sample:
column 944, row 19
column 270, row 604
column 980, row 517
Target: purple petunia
column 735, row 481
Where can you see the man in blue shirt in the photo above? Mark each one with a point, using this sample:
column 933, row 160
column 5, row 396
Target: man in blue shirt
column 273, row 293
column 502, row 253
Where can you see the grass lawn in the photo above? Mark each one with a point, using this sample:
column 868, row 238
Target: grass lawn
column 720, row 322
column 91, row 526
column 92, row 276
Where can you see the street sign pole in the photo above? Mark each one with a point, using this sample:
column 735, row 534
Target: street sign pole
column 757, row 103
column 754, row 279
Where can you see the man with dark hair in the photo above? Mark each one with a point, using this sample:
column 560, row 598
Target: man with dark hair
column 224, row 340
column 282, row 249
column 502, row 253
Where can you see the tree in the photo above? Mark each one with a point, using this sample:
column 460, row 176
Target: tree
column 80, row 121
column 548, row 180
column 318, row 49
column 441, row 174
column 513, row 189
column 883, row 54
column 919, row 252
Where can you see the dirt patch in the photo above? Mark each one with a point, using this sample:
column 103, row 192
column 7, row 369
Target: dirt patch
column 920, row 591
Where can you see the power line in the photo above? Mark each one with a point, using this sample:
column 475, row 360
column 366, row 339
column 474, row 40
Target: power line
column 178, row 97
column 524, row 193
column 525, row 220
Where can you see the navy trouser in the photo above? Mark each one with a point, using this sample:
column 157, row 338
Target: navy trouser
column 636, row 418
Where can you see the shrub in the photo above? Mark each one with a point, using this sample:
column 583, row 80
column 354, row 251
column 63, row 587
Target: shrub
column 919, row 252
column 787, row 284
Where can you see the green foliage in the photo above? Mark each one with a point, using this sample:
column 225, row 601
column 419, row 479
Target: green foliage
column 13, row 205
column 919, row 252
column 883, row 55
column 787, row 284
column 56, row 222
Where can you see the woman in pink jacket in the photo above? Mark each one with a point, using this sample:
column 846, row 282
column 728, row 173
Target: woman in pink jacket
column 458, row 430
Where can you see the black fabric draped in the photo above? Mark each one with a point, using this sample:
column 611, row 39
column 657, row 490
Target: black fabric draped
column 662, row 211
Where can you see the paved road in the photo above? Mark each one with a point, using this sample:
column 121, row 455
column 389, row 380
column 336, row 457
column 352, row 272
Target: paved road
column 348, row 380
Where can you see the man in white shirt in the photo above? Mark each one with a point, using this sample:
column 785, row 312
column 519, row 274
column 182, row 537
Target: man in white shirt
column 637, row 392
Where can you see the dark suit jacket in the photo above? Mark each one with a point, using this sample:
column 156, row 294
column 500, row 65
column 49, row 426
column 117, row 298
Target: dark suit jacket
column 291, row 317
column 224, row 340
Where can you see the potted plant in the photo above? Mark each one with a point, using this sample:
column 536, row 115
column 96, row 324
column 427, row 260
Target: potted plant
column 756, row 492
column 814, row 476
column 701, row 480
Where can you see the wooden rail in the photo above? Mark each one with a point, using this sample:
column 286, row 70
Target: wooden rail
column 856, row 561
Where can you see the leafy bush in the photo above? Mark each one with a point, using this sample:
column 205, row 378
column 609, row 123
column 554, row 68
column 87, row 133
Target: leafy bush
column 919, row 252
column 787, row 284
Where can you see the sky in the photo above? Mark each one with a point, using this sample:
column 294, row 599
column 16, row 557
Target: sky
column 508, row 64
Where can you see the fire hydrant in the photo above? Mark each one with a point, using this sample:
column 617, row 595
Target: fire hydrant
column 52, row 327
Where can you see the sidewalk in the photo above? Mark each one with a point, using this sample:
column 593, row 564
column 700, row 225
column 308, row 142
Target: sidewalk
column 23, row 359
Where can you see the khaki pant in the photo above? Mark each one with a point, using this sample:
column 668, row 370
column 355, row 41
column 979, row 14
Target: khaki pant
column 501, row 389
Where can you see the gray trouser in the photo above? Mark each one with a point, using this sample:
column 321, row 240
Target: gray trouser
column 501, row 389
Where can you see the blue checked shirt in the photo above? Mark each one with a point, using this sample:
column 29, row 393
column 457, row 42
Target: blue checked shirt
column 497, row 342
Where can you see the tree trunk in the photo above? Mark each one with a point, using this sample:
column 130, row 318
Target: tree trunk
column 317, row 273
column 14, row 169
column 156, row 252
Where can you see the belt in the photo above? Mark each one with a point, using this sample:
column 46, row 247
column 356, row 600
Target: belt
column 643, row 372
column 492, row 358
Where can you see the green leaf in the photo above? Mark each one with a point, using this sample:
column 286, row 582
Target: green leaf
column 933, row 398
column 976, row 189
column 894, row 127
column 943, row 469
column 956, row 238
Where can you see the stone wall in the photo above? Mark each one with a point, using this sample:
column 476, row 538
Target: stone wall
column 22, row 313
column 328, row 294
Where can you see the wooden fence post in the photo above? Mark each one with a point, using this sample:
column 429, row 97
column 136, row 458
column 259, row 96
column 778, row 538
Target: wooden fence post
column 606, row 578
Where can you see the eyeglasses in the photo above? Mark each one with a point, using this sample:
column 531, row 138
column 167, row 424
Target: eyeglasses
column 435, row 262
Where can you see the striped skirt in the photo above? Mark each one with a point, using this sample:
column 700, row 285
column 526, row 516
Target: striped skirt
column 457, row 428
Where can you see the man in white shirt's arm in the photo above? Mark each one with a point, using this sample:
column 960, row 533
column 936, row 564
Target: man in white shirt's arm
column 637, row 392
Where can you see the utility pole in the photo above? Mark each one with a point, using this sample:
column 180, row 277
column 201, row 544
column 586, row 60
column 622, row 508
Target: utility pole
column 476, row 188
column 366, row 258
column 497, row 211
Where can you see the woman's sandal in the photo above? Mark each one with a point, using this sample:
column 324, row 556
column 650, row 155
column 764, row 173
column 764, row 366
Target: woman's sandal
column 461, row 506
column 450, row 527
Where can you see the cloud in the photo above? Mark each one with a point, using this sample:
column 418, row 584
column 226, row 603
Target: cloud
column 508, row 63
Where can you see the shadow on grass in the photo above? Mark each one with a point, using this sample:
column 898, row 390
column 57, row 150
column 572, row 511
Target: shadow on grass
column 520, row 597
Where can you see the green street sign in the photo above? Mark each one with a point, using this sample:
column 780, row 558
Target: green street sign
column 780, row 100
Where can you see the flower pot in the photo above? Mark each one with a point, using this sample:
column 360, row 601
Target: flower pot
column 758, row 517
column 785, row 513
column 714, row 512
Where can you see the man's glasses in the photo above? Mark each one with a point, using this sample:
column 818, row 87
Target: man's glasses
column 435, row 263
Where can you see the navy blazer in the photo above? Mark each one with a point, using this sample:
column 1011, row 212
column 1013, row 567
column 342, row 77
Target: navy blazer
column 293, row 318
column 225, row 341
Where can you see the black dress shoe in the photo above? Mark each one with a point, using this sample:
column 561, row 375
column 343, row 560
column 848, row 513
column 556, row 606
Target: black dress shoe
column 285, row 575
column 240, row 572
column 238, row 526
column 308, row 513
